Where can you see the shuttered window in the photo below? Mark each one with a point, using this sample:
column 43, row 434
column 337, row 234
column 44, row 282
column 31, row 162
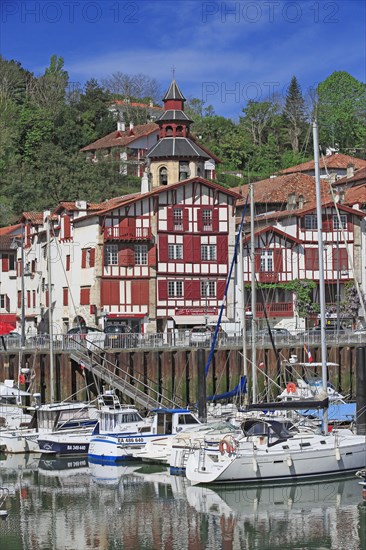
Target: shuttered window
column 85, row 295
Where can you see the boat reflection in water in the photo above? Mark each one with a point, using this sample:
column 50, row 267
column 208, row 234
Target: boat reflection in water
column 68, row 504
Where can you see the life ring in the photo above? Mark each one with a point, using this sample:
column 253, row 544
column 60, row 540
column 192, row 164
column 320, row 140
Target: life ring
column 291, row 387
column 226, row 446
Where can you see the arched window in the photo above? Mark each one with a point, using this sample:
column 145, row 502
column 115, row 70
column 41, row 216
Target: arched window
column 168, row 131
column 183, row 170
column 163, row 176
column 179, row 131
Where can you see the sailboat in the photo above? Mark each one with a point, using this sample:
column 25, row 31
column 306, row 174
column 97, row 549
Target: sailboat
column 267, row 451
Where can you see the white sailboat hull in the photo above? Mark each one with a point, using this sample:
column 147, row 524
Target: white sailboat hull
column 300, row 459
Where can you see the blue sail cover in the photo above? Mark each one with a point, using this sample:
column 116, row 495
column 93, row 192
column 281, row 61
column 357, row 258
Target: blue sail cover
column 239, row 389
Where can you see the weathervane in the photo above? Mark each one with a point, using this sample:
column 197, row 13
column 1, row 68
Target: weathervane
column 173, row 72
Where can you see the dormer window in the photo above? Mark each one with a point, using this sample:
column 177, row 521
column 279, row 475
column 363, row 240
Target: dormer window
column 163, row 176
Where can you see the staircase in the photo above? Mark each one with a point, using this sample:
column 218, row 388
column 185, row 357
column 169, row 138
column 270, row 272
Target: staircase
column 133, row 387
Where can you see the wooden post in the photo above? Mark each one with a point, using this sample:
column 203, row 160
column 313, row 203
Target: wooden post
column 361, row 390
column 201, row 379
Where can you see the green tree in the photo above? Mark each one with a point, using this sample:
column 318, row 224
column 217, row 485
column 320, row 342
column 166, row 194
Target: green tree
column 341, row 112
column 294, row 114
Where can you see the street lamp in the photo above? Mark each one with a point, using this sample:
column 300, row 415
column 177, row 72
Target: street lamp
column 15, row 244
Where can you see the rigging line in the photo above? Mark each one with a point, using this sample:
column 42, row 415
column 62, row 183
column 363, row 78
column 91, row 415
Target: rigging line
column 238, row 236
column 357, row 285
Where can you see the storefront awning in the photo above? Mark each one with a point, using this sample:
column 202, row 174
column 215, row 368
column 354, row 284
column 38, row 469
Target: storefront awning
column 197, row 319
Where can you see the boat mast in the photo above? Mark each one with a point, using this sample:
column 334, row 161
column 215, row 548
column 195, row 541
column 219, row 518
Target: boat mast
column 253, row 288
column 321, row 270
column 50, row 324
column 243, row 319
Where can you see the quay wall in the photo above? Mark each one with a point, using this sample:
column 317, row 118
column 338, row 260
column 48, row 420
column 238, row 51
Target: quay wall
column 173, row 372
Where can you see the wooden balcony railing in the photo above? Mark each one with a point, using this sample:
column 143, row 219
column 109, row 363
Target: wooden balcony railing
column 267, row 277
column 275, row 309
column 128, row 233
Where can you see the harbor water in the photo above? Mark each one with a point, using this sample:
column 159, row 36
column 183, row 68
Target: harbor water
column 70, row 504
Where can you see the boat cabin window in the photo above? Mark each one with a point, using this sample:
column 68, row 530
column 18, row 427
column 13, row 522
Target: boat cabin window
column 8, row 400
column 187, row 419
column 126, row 418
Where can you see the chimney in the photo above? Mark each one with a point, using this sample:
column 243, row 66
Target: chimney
column 333, row 177
column 121, row 126
column 131, row 125
column 350, row 170
column 145, row 183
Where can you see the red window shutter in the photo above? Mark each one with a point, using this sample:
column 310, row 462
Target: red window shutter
column 151, row 256
column 311, row 259
column 185, row 219
column 277, row 261
column 140, row 292
column 19, row 298
column 5, row 262
column 257, row 259
column 196, row 249
column 199, row 220
column 215, row 220
column 170, row 219
column 19, row 268
column 92, row 257
column 163, row 248
column 222, row 249
column 67, row 226
column 327, row 224
column 34, row 298
column 110, row 292
column 187, row 247
column 126, row 256
column 65, row 296
column 85, row 295
column 7, row 303
column 220, row 289
column 47, row 299
column 68, row 262
column 83, row 258
column 163, row 290
column 196, row 290
column 28, row 299
column 188, row 292
column 343, row 259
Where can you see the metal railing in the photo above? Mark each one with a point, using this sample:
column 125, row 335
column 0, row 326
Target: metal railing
column 177, row 339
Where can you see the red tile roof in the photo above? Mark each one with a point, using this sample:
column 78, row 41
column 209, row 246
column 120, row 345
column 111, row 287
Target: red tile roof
column 277, row 189
column 10, row 229
column 338, row 160
column 357, row 178
column 355, row 195
column 34, row 217
column 121, row 139
column 133, row 104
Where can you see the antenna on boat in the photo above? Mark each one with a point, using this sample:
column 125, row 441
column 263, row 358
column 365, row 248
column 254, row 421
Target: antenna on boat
column 321, row 270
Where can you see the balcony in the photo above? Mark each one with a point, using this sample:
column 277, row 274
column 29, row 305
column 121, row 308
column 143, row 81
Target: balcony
column 267, row 277
column 276, row 309
column 127, row 234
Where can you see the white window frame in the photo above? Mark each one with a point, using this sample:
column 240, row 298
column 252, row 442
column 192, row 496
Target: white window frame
column 208, row 252
column 208, row 289
column 178, row 219
column 141, row 254
column 311, row 222
column 2, row 301
column 175, row 251
column 344, row 221
column 175, row 289
column 111, row 254
column 207, row 219
column 266, row 264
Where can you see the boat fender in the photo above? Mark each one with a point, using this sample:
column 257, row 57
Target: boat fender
column 226, row 446
column 338, row 454
column 291, row 387
column 21, row 379
column 255, row 464
column 289, row 461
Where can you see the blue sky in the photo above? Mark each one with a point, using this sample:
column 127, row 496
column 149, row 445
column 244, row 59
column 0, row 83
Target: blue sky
column 223, row 52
